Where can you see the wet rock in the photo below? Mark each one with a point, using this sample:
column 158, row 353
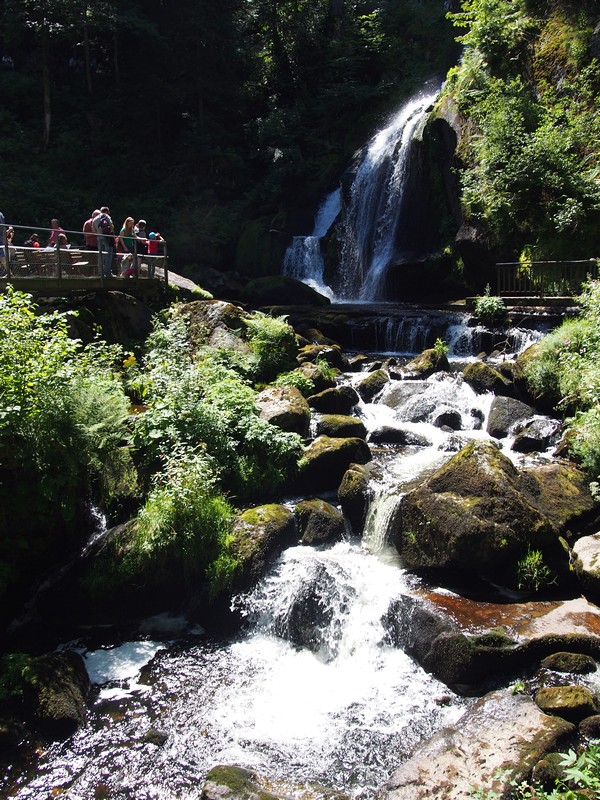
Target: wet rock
column 260, row 534
column 548, row 771
column 573, row 703
column 234, row 783
column 499, row 739
column 466, row 643
column 388, row 434
column 586, row 552
column 155, row 737
column 355, row 494
column 284, row 407
column 315, row 336
column 338, row 400
column 314, row 373
column 576, row 663
column 426, row 364
column 448, row 419
column 505, row 413
column 331, row 354
column 122, row 317
column 484, row 378
column 340, row 426
column 590, row 727
column 57, row 692
column 372, row 384
column 12, row 733
column 319, row 522
column 281, row 290
column 479, row 512
column 397, row 393
column 537, row 435
column 325, row 461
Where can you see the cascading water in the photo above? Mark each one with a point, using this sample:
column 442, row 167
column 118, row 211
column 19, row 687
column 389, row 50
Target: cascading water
column 303, row 259
column 377, row 204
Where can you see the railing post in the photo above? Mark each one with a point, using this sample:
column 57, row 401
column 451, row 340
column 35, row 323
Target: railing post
column 135, row 259
column 100, row 261
column 58, row 264
column 7, row 258
column 165, row 264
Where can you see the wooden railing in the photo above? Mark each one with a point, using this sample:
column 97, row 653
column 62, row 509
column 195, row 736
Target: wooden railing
column 544, row 278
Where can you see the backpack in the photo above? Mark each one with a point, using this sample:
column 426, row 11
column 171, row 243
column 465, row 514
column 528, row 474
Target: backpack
column 105, row 225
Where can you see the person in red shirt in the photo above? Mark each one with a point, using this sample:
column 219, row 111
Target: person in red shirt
column 56, row 229
column 89, row 235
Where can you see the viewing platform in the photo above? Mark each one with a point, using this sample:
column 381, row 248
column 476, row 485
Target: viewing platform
column 73, row 268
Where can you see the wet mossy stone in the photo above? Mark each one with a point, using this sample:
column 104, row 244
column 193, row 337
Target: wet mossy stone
column 586, row 564
column 260, row 534
column 325, row 461
column 315, row 374
column 537, row 435
column 338, row 400
column 330, row 354
column 372, row 384
column 484, row 378
column 215, row 323
column 480, row 513
column 505, row 414
column 319, row 522
column 548, row 771
column 284, row 407
column 340, row 426
column 389, row 434
column 576, row 663
column 572, row 703
column 426, row 364
column 234, row 783
column 590, row 727
column 355, row 494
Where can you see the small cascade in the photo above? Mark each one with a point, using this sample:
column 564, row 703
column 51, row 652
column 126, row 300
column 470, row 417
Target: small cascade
column 303, row 259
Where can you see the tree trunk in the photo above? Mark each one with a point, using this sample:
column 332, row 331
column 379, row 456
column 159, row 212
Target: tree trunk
column 46, row 87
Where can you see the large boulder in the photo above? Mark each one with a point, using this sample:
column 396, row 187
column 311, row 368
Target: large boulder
column 226, row 782
column 355, row 494
column 573, row 703
column 537, row 435
column 341, row 426
column 426, row 364
column 372, row 384
column 284, row 407
column 480, row 513
column 325, row 461
column 505, row 414
column 330, row 354
column 281, row 290
column 215, row 323
column 260, row 534
column 483, row 377
column 319, row 522
column 337, row 400
column 497, row 741
column 586, row 563
column 122, row 317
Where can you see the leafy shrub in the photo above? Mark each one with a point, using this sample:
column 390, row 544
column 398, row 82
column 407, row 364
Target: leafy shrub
column 490, row 308
column 273, row 343
column 295, row 378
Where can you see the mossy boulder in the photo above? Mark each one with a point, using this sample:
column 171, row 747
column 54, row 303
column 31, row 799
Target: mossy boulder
column 590, row 727
column 319, row 522
column 483, row 377
column 480, row 513
column 325, row 461
column 330, row 354
column 234, row 783
column 372, row 384
column 390, row 434
column 337, row 400
column 314, row 373
column 355, row 494
column 505, row 414
column 576, row 663
column 215, row 323
column 48, row 692
column 340, row 426
column 284, row 407
column 260, row 534
column 426, row 364
column 537, row 435
column 572, row 703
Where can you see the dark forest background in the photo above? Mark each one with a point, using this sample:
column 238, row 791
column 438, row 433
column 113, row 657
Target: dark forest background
column 215, row 122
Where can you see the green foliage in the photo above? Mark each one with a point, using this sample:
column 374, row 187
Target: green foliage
column 532, row 572
column 295, row 378
column 530, row 93
column 204, row 400
column 490, row 308
column 440, row 347
column 16, row 675
column 273, row 343
column 580, row 780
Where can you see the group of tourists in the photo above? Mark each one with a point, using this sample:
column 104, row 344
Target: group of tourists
column 130, row 243
column 119, row 253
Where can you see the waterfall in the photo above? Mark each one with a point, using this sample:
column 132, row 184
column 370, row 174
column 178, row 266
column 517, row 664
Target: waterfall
column 377, row 204
column 303, row 259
